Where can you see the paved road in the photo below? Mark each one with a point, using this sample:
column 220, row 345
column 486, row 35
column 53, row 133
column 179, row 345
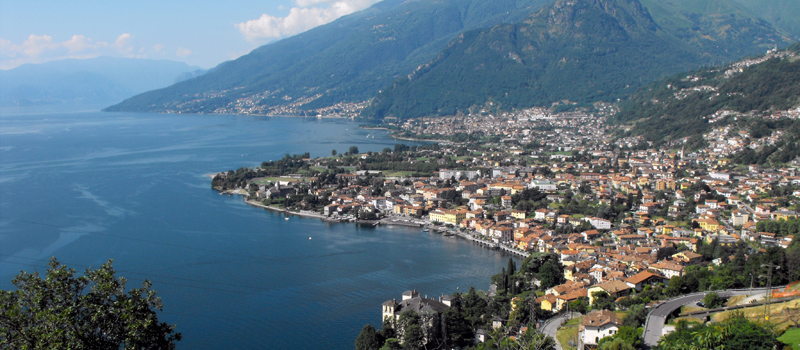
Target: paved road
column 552, row 325
column 657, row 317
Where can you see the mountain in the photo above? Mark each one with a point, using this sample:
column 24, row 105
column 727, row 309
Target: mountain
column 96, row 82
column 739, row 94
column 415, row 57
column 783, row 14
column 347, row 60
column 580, row 50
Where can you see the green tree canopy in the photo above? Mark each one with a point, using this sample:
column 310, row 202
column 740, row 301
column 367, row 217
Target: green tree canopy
column 64, row 311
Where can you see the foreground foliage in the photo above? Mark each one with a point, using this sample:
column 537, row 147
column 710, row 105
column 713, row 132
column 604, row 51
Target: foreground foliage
column 64, row 311
column 737, row 332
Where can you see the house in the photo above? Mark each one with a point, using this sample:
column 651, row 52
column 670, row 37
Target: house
column 429, row 310
column 641, row 279
column 595, row 326
column 562, row 300
column 615, row 289
column 547, row 302
column 687, row 258
column 668, row 269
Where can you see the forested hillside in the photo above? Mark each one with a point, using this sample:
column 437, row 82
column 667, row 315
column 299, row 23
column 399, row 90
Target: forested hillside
column 687, row 104
column 583, row 51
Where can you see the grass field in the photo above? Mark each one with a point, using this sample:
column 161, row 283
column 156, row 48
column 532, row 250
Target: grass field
column 735, row 300
column 779, row 314
column 265, row 180
column 791, row 338
column 397, row 173
column 567, row 332
column 690, row 320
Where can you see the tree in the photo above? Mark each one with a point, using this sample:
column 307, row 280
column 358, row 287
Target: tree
column 368, row 339
column 713, row 300
column 62, row 311
column 353, row 150
column 333, row 152
column 602, row 301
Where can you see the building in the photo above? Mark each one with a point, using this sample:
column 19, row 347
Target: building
column 595, row 326
column 429, row 310
column 615, row 289
column 641, row 279
column 668, row 269
column 448, row 216
column 445, row 174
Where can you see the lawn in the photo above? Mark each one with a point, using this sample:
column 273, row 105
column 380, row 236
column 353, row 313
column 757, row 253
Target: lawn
column 791, row 338
column 397, row 173
column 265, row 180
column 567, row 332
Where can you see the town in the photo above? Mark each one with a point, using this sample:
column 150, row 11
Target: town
column 624, row 220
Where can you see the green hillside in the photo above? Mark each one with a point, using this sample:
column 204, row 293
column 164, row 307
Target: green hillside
column 681, row 106
column 347, row 60
column 584, row 51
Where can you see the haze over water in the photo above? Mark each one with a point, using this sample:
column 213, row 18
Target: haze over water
column 88, row 187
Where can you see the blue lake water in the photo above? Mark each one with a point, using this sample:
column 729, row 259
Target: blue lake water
column 86, row 187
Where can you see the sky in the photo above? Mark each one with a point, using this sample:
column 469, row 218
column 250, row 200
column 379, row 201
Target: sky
column 200, row 32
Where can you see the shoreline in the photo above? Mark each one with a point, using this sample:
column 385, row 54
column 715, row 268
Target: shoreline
column 419, row 223
column 417, row 140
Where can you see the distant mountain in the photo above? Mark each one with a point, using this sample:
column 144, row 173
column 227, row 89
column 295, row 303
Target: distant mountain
column 690, row 103
column 580, row 50
column 414, row 57
column 347, row 60
column 783, row 14
column 85, row 82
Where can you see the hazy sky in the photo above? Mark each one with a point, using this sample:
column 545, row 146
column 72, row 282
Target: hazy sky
column 199, row 32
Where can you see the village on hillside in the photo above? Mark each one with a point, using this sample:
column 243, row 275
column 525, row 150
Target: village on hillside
column 621, row 217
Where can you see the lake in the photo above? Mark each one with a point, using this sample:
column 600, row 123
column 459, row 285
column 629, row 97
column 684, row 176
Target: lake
column 88, row 186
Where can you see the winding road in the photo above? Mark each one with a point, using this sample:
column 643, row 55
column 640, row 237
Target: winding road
column 551, row 327
column 654, row 326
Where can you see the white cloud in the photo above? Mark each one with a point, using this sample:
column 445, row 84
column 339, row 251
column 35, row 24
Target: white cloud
column 123, row 43
column 307, row 3
column 35, row 45
column 182, row 52
column 80, row 43
column 304, row 17
column 43, row 48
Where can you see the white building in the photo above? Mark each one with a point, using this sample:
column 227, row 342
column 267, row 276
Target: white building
column 595, row 326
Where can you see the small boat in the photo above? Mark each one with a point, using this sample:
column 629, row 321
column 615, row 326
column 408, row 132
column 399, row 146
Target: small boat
column 287, row 219
column 309, row 238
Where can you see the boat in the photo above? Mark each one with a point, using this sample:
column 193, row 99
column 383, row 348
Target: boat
column 287, row 219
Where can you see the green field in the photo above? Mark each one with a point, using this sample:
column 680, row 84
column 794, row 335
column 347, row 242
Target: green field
column 791, row 338
column 567, row 332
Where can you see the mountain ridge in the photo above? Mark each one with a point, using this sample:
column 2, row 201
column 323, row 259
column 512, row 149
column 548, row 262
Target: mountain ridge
column 347, row 60
column 96, row 81
column 331, row 70
column 581, row 50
